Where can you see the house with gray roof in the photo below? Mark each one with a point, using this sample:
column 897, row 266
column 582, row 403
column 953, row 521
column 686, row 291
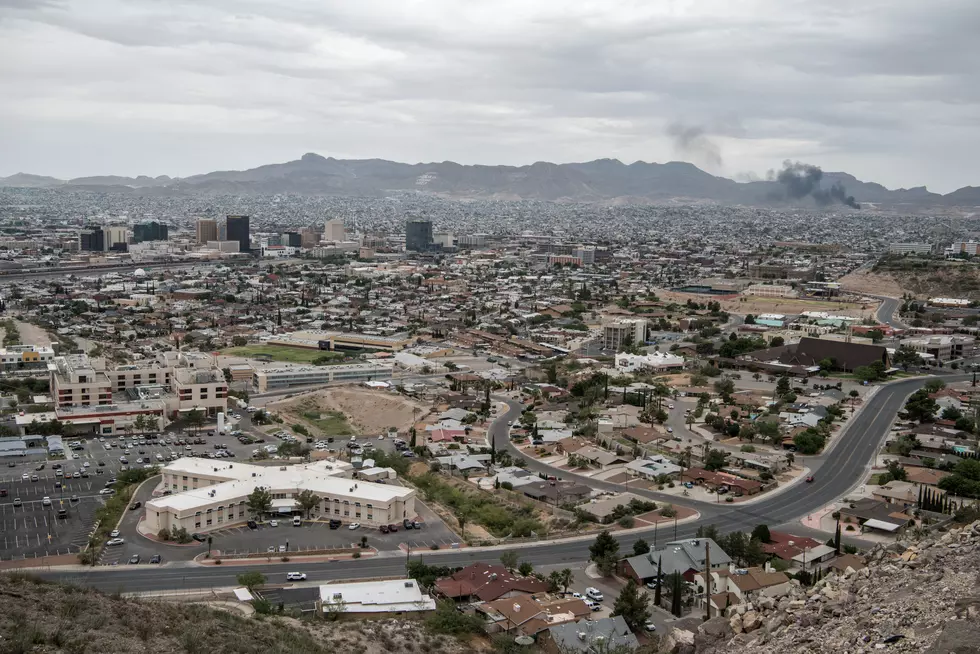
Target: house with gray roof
column 590, row 636
column 683, row 556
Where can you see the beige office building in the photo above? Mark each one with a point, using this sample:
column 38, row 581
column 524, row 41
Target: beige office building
column 207, row 230
column 208, row 494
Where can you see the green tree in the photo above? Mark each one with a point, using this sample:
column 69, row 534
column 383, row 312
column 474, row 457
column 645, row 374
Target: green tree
column 525, row 569
column 195, row 418
column 604, row 552
column 905, row 357
column 632, row 605
column 951, row 413
column 307, row 500
column 921, row 407
column 509, row 559
column 754, row 552
column 640, row 547
column 761, row 533
column 259, row 501
column 876, row 335
column 782, row 386
column 715, row 460
column 676, row 585
column 251, row 580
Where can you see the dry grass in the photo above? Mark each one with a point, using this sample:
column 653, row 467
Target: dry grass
column 873, row 284
column 367, row 411
column 53, row 618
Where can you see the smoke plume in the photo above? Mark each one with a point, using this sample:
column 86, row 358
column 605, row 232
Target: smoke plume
column 692, row 141
column 800, row 180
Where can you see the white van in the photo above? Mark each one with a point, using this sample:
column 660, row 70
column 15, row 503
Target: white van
column 297, row 521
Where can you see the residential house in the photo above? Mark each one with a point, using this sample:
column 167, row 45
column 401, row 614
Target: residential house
column 715, row 480
column 921, row 476
column 653, row 467
column 876, row 515
column 487, row 582
column 744, row 584
column 602, row 509
column 683, row 556
column 527, row 615
column 557, row 492
column 785, row 546
column 842, row 563
column 899, row 493
column 642, row 434
column 589, row 636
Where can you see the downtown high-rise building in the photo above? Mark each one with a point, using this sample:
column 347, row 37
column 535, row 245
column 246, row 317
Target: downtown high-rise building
column 237, row 227
column 207, row 230
column 418, row 235
column 334, row 231
column 151, row 231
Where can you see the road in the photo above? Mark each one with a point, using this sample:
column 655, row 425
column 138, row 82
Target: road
column 887, row 312
column 836, row 473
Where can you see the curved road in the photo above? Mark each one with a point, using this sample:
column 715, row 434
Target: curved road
column 836, row 473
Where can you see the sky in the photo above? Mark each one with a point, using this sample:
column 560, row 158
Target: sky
column 887, row 90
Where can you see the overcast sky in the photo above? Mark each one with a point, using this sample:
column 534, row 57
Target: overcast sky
column 888, row 90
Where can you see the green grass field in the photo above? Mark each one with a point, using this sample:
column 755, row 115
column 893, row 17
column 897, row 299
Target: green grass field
column 331, row 423
column 281, row 353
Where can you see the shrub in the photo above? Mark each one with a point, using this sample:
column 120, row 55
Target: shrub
column 217, row 561
column 284, row 559
column 435, row 546
column 670, row 484
column 627, row 522
column 668, row 511
column 729, row 499
column 356, row 555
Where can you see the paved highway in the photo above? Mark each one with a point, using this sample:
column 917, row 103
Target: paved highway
column 887, row 312
column 836, row 473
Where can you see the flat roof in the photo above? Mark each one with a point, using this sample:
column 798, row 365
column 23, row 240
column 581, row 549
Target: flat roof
column 242, row 478
column 378, row 596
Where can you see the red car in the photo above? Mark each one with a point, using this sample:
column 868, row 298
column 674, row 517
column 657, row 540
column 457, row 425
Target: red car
column 809, row 479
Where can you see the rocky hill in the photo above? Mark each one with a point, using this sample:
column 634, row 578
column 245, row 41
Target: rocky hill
column 39, row 617
column 912, row 597
column 602, row 180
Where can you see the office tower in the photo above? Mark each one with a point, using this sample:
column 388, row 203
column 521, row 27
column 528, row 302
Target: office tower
column 207, row 230
column 92, row 240
column 334, row 231
column 151, row 231
column 418, row 235
column 443, row 239
column 238, row 231
column 309, row 237
column 116, row 238
column 292, row 239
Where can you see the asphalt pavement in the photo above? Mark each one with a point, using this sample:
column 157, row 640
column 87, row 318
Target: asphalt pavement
column 836, row 473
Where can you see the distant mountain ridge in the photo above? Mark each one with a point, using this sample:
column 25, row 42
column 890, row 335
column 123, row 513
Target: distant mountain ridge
column 602, row 180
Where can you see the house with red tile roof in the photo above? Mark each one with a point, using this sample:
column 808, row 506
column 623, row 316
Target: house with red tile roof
column 487, row 582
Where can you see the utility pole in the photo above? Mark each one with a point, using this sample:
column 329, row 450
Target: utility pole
column 707, row 579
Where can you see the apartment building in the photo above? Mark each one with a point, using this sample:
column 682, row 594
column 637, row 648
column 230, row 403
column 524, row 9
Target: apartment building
column 619, row 333
column 208, row 495
column 25, row 357
column 182, row 381
column 771, row 290
column 971, row 248
column 909, row 248
column 273, row 378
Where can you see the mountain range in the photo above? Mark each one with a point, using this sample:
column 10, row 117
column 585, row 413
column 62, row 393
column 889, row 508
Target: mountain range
column 602, row 180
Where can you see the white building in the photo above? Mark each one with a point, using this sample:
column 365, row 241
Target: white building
column 770, row 290
column 207, row 494
column 272, row 378
column 909, row 248
column 334, row 231
column 388, row 596
column 618, row 333
column 278, row 251
column 654, row 361
column 23, row 357
column 586, row 254
column 949, row 302
column 652, row 467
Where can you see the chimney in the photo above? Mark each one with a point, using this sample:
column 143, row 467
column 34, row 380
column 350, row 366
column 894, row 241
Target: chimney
column 517, row 607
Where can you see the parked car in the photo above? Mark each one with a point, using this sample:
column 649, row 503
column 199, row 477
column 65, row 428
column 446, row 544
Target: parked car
column 252, row 524
column 156, row 558
column 354, row 525
column 114, row 533
column 384, row 529
column 650, row 627
column 17, row 502
column 134, row 559
column 135, row 505
column 45, row 501
column 200, row 538
column 593, row 594
column 115, row 541
column 273, row 523
column 810, row 478
column 335, row 524
column 295, row 576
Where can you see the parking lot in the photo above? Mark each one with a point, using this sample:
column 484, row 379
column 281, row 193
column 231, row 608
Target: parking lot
column 30, row 527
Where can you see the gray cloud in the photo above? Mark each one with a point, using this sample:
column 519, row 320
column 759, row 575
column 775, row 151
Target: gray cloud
column 885, row 89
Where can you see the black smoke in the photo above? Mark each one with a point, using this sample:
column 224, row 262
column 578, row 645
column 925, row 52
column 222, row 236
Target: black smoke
column 800, row 180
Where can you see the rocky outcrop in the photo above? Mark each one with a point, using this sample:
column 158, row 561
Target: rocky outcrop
column 913, row 597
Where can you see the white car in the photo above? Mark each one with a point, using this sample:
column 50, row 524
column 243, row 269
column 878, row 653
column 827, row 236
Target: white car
column 86, row 465
column 670, row 406
column 295, row 576
column 115, row 541
column 107, row 491
column 114, row 533
column 273, row 523
column 354, row 525
column 593, row 594
column 670, row 430
column 381, row 437
column 282, row 548
column 46, row 501
column 595, row 606
column 25, row 477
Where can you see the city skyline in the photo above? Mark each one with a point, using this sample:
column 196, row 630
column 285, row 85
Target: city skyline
column 881, row 91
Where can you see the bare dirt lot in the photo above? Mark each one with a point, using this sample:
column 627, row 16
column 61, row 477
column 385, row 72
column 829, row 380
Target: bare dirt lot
column 872, row 283
column 367, row 411
column 742, row 304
